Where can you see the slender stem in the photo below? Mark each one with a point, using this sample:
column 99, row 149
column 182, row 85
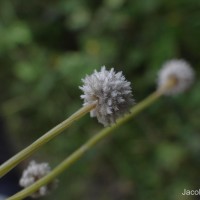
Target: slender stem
column 85, row 147
column 92, row 142
column 15, row 160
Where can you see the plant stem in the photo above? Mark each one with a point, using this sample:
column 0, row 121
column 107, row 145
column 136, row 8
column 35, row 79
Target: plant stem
column 85, row 147
column 16, row 159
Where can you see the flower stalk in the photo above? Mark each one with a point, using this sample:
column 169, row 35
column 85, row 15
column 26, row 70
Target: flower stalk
column 76, row 155
column 22, row 155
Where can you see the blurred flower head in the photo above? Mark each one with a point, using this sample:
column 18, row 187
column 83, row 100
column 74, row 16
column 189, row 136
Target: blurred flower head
column 112, row 93
column 34, row 172
column 180, row 71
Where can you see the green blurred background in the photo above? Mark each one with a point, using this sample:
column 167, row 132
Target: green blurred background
column 46, row 47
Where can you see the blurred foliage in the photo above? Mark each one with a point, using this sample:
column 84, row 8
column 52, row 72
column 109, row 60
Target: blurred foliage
column 46, row 47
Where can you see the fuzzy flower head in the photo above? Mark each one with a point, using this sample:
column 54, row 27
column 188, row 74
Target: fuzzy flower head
column 180, row 71
column 112, row 93
column 34, row 172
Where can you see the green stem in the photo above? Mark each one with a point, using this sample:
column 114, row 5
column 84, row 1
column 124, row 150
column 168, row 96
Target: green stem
column 85, row 147
column 16, row 159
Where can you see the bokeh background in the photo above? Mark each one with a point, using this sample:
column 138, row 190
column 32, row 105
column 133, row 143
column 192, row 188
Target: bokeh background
column 46, row 47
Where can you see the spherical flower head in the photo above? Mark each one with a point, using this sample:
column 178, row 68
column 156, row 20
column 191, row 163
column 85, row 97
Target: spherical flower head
column 111, row 92
column 34, row 172
column 180, row 71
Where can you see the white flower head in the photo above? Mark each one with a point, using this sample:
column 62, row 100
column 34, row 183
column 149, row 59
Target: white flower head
column 112, row 93
column 180, row 71
column 34, row 172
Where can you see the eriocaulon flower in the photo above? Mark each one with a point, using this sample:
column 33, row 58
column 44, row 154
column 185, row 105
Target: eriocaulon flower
column 112, row 93
column 34, row 172
column 180, row 71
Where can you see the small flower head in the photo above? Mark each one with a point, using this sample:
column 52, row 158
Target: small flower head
column 180, row 71
column 112, row 93
column 34, row 172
